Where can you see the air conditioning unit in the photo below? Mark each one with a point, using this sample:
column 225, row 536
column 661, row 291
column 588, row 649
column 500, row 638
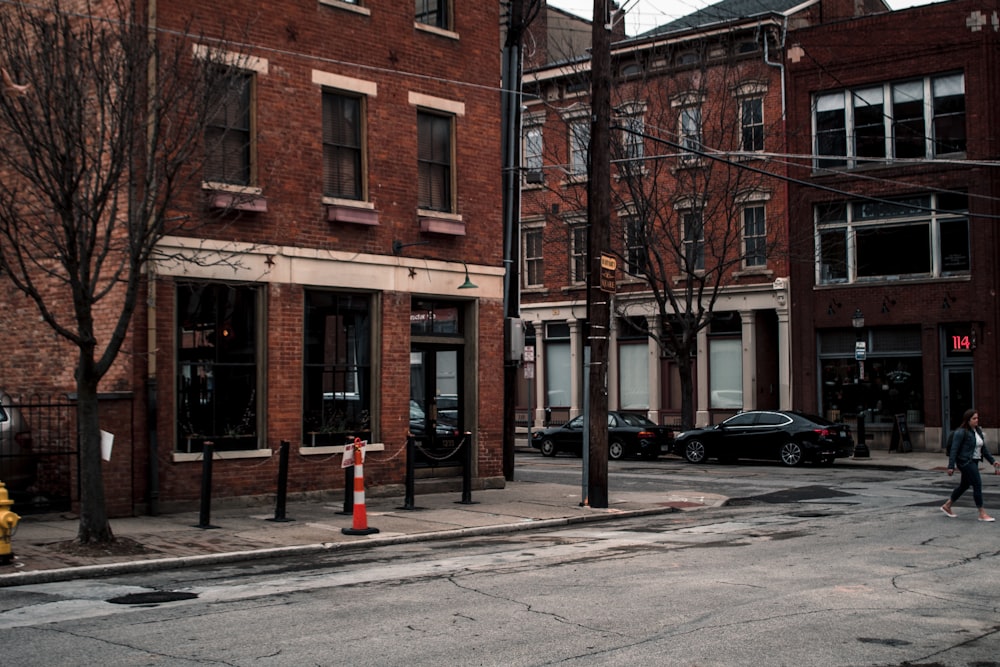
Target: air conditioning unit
column 534, row 176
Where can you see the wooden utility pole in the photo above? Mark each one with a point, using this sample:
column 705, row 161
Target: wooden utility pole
column 598, row 242
column 510, row 96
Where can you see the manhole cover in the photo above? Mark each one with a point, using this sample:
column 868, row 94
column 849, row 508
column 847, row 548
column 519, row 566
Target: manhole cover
column 152, row 597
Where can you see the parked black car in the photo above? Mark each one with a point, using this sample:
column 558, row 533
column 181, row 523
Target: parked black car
column 628, row 435
column 787, row 436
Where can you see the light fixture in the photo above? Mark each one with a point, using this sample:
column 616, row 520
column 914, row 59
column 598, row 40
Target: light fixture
column 468, row 284
column 886, row 303
column 397, row 246
column 858, row 321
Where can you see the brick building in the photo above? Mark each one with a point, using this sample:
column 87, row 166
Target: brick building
column 700, row 208
column 362, row 212
column 896, row 318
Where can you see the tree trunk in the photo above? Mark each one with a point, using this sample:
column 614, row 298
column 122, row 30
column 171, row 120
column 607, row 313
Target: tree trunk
column 94, row 525
column 687, row 392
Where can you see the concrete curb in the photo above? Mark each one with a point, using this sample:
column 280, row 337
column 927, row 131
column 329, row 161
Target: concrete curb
column 375, row 540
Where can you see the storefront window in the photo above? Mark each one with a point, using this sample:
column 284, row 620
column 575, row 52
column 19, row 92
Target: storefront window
column 216, row 366
column 337, row 368
column 888, row 382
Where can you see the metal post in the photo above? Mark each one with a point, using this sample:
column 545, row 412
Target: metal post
column 467, row 471
column 410, row 452
column 861, row 450
column 205, row 515
column 279, row 506
column 348, row 491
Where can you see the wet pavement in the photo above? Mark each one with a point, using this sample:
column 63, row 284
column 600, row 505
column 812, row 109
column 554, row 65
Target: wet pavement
column 41, row 552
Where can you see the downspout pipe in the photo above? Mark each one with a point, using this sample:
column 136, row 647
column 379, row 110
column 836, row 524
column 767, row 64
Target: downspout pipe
column 779, row 65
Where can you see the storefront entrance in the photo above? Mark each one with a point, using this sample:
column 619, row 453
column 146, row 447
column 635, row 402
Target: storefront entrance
column 958, row 396
column 437, row 417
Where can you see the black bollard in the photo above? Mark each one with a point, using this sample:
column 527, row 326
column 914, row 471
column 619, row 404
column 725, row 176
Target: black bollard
column 411, row 448
column 861, row 450
column 467, row 472
column 205, row 515
column 279, row 505
column 348, row 490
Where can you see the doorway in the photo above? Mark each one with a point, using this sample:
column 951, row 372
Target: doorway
column 958, row 397
column 437, row 410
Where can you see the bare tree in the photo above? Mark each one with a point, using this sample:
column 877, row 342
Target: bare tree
column 689, row 172
column 101, row 126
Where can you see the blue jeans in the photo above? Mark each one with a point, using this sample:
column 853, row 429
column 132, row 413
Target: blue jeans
column 970, row 477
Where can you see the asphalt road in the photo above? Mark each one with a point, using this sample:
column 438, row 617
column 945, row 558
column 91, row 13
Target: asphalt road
column 811, row 566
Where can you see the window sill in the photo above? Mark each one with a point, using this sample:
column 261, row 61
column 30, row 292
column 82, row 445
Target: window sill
column 235, row 197
column 353, row 212
column 574, row 179
column 180, row 457
column 752, row 272
column 434, row 30
column 434, row 222
column 347, row 6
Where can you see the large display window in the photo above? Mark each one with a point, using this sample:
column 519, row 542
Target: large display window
column 888, row 382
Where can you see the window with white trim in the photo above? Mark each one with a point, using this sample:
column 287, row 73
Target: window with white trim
column 636, row 250
column 914, row 119
column 858, row 241
column 752, row 124
column 579, row 146
column 690, row 128
column 578, row 253
column 754, row 236
column 694, row 240
column 532, row 154
column 633, row 121
column 533, row 270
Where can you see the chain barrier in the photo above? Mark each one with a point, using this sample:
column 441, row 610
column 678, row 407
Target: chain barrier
column 446, row 456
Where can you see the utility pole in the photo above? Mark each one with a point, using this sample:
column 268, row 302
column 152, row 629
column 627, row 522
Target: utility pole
column 510, row 136
column 598, row 242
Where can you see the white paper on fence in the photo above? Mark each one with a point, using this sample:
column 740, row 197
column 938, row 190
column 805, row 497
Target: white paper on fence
column 107, row 440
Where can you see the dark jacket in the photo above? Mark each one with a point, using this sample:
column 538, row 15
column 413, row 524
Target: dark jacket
column 963, row 447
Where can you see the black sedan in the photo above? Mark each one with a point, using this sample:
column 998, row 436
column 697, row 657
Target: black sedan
column 628, row 435
column 787, row 436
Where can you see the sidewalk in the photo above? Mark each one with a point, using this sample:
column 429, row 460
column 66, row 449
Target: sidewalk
column 42, row 553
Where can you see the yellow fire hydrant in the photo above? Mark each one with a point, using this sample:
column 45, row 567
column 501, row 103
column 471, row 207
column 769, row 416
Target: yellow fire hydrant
column 8, row 524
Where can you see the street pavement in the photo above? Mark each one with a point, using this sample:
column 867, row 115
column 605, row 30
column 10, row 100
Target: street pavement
column 41, row 553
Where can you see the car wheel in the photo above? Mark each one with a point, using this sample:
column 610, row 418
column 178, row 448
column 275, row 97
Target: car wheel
column 616, row 450
column 791, row 454
column 694, row 452
column 548, row 447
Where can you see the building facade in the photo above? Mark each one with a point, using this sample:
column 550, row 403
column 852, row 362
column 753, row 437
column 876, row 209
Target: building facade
column 700, row 225
column 895, row 207
column 351, row 189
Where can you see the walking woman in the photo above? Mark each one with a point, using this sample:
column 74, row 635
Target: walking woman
column 968, row 448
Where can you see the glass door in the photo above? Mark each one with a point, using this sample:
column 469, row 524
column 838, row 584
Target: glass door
column 436, row 407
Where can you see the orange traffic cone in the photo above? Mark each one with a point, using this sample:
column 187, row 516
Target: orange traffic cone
column 360, row 518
